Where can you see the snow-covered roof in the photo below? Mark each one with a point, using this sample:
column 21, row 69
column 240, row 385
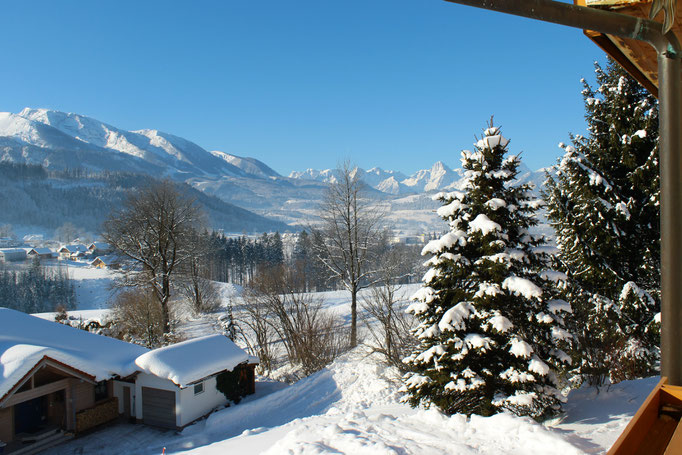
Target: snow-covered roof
column 107, row 260
column 41, row 251
column 99, row 246
column 190, row 361
column 25, row 340
column 12, row 251
column 76, row 248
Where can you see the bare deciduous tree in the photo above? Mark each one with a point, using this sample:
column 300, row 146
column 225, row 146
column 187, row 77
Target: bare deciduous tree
column 67, row 232
column 351, row 228
column 138, row 318
column 255, row 316
column 310, row 335
column 154, row 230
column 200, row 292
column 392, row 328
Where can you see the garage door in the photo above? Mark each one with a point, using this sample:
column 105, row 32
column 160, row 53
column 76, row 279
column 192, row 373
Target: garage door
column 158, row 407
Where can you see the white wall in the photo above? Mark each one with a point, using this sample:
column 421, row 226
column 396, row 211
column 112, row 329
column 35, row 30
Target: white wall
column 195, row 406
column 118, row 393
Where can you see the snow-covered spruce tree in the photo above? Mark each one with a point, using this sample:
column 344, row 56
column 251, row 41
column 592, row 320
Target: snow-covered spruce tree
column 604, row 206
column 490, row 324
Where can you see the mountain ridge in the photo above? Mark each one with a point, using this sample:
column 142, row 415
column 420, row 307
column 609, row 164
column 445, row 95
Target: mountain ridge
column 60, row 141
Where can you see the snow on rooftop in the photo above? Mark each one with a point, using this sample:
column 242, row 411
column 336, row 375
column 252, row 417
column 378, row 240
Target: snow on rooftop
column 75, row 248
column 25, row 340
column 189, row 361
column 43, row 250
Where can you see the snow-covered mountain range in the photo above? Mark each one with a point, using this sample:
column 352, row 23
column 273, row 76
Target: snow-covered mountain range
column 439, row 177
column 59, row 140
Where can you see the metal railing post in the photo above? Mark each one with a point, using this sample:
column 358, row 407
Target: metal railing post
column 671, row 215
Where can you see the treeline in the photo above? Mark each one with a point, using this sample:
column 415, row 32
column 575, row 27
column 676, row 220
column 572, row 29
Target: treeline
column 240, row 260
column 36, row 289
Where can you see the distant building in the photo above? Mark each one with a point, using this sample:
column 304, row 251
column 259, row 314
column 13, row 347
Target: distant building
column 99, row 248
column 42, row 253
column 7, row 242
column 33, row 239
column 12, row 254
column 73, row 251
column 107, row 262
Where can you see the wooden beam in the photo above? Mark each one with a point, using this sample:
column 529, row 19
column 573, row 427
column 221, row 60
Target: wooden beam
column 634, row 434
column 53, row 363
column 36, row 392
column 612, row 50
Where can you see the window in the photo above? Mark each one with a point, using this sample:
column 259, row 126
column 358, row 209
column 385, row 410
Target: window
column 101, row 392
column 198, row 388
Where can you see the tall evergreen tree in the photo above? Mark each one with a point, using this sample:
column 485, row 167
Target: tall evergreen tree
column 604, row 206
column 490, row 323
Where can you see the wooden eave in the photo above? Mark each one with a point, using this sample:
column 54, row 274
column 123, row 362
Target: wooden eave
column 636, row 57
column 54, row 363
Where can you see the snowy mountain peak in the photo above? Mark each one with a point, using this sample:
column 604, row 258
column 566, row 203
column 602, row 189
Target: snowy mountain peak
column 103, row 146
column 438, row 166
column 249, row 165
column 80, row 127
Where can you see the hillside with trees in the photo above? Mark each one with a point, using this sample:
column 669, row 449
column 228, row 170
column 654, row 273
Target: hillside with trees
column 33, row 195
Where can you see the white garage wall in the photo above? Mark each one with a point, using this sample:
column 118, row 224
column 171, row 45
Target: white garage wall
column 195, row 406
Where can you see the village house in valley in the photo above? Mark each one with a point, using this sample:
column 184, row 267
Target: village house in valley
column 12, row 254
column 110, row 261
column 73, row 251
column 56, row 380
column 41, row 253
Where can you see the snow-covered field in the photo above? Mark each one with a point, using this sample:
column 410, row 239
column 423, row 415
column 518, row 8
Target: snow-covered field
column 353, row 407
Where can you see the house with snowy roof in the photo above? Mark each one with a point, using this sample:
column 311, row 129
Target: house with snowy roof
column 73, row 251
column 41, row 253
column 99, row 248
column 111, row 261
column 183, row 377
column 12, row 254
column 56, row 379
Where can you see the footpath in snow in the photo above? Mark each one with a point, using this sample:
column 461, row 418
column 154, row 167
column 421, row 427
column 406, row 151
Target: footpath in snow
column 353, row 407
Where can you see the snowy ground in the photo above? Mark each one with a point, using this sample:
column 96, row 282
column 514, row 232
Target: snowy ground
column 352, row 407
column 93, row 286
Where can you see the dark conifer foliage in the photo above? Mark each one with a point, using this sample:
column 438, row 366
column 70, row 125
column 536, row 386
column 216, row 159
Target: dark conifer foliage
column 490, row 321
column 36, row 289
column 238, row 259
column 604, row 206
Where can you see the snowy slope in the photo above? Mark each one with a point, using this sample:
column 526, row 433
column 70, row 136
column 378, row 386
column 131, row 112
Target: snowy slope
column 352, row 407
column 250, row 166
column 24, row 140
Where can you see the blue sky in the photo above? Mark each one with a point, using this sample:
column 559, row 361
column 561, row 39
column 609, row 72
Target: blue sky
column 303, row 83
